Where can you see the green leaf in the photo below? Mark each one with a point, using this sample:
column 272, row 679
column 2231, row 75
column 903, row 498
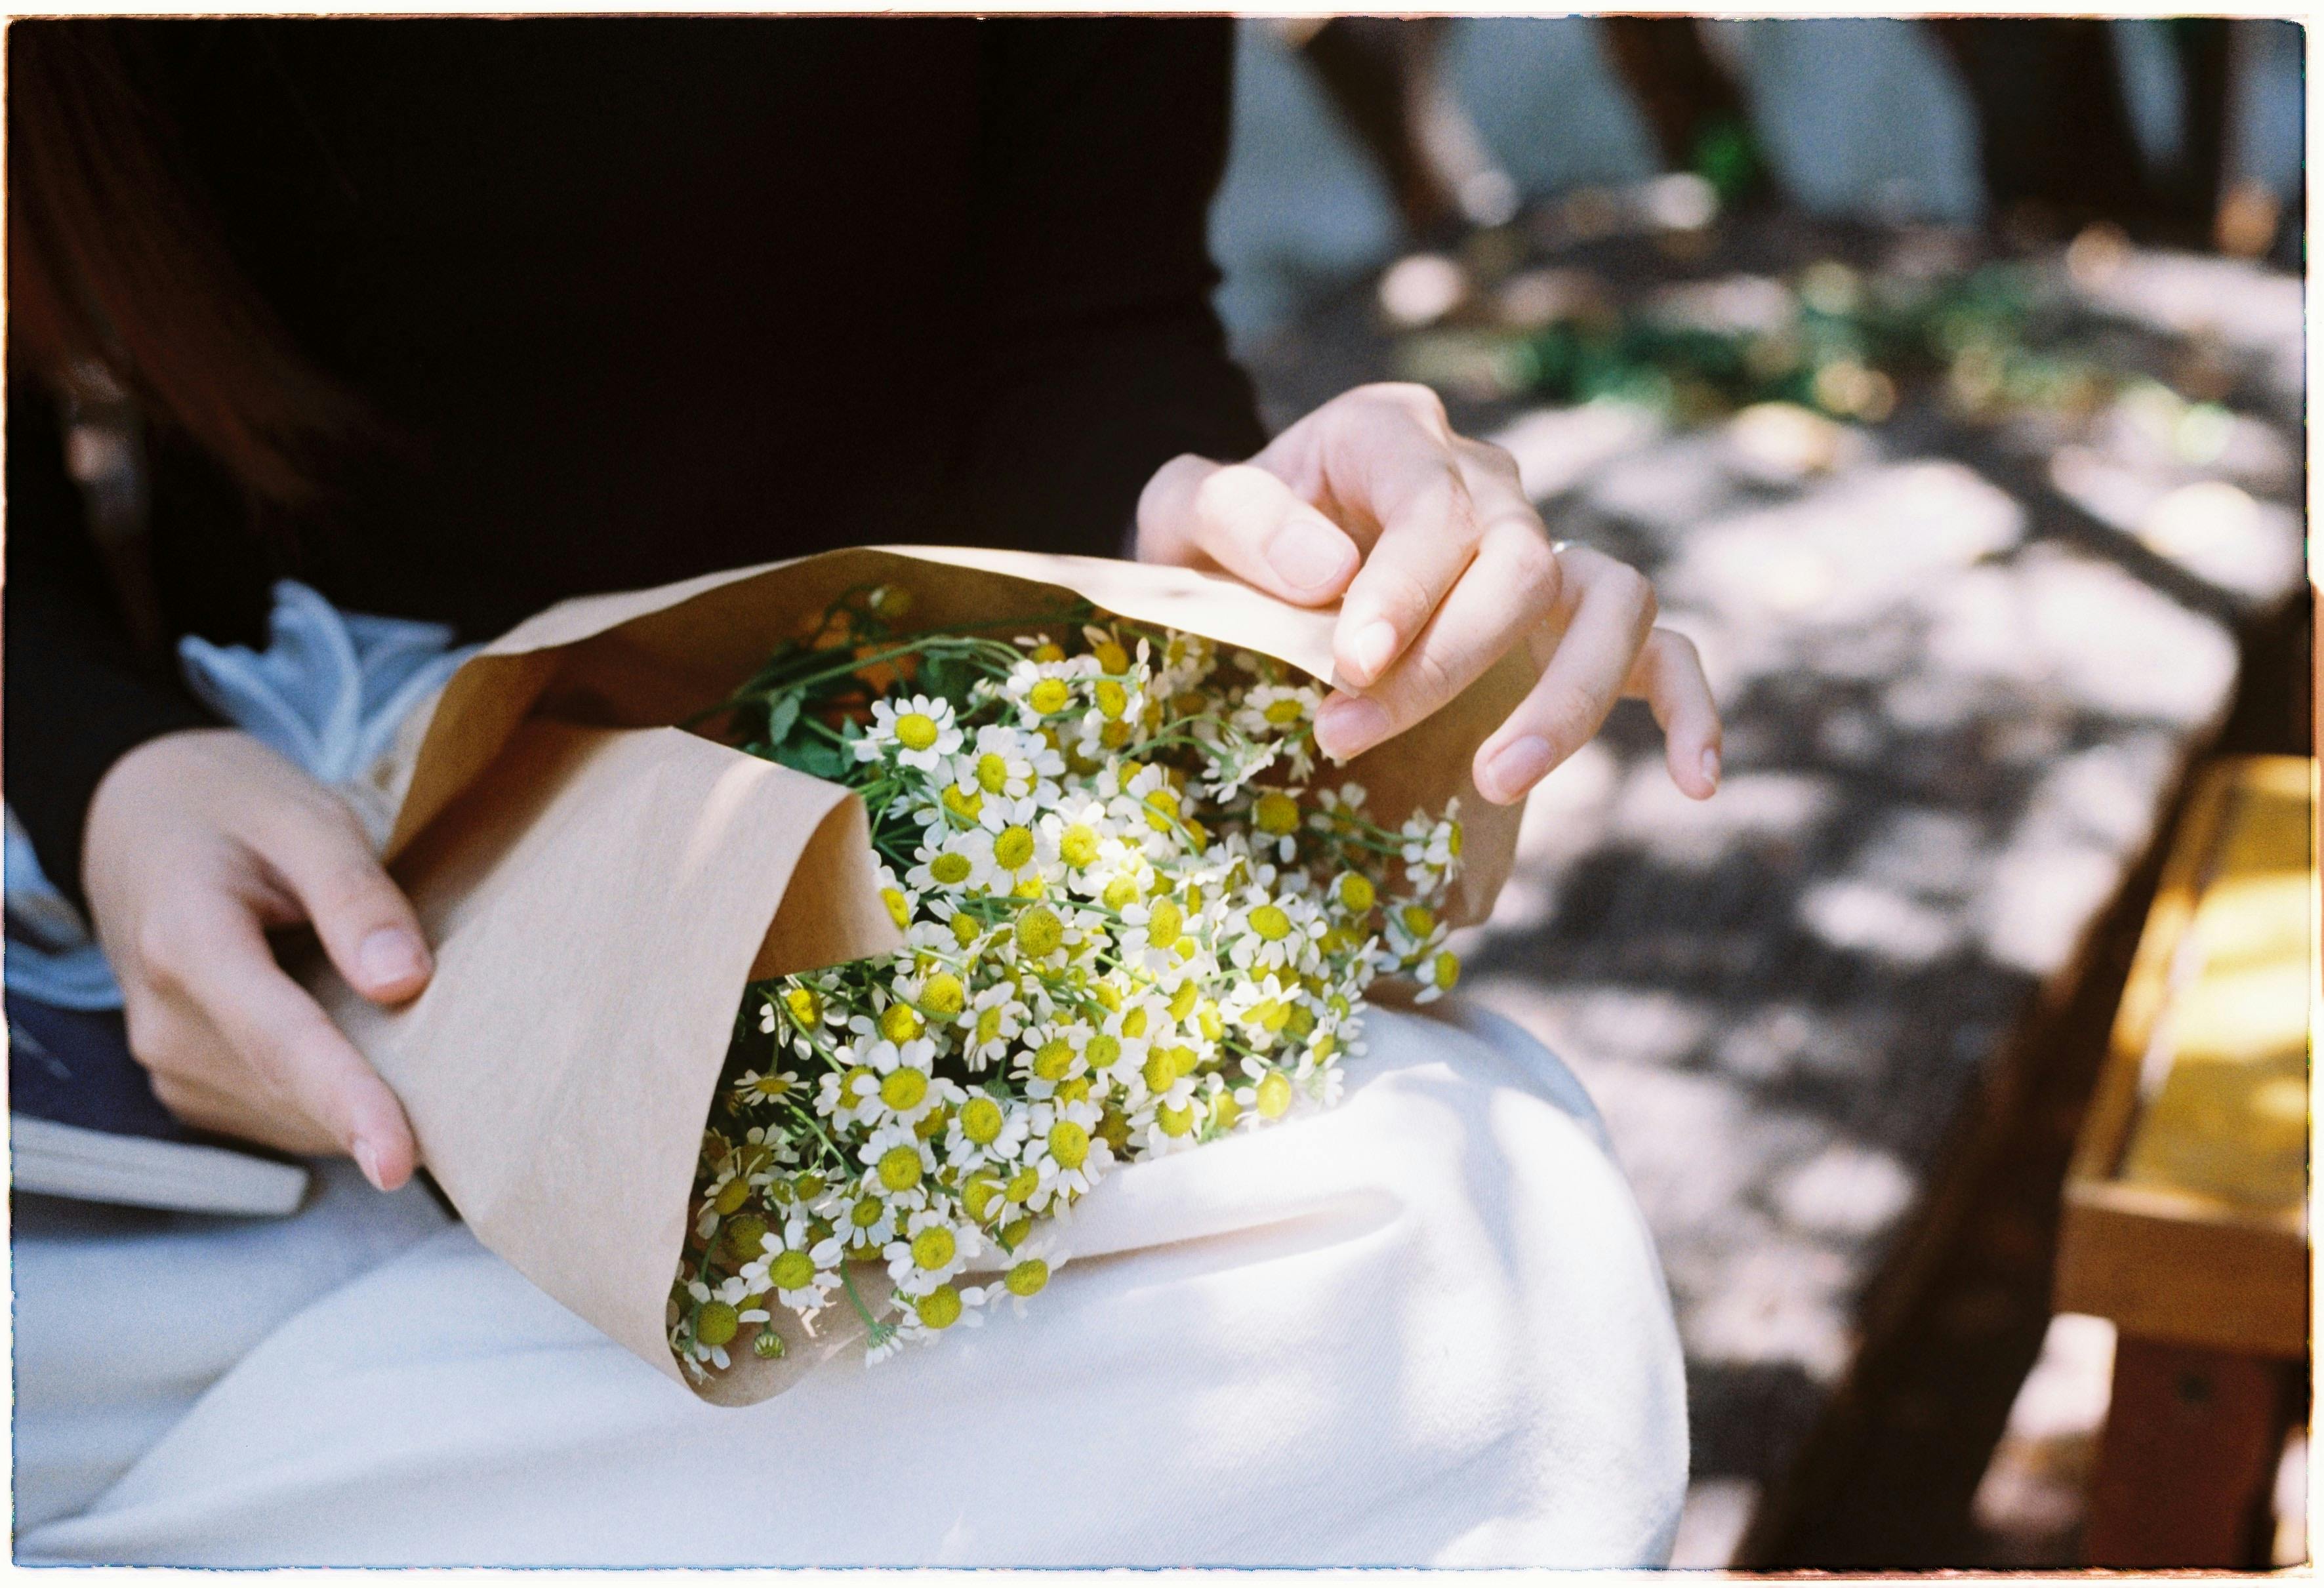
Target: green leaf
column 782, row 716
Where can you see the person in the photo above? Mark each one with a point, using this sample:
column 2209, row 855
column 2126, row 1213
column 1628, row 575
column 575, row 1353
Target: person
column 453, row 318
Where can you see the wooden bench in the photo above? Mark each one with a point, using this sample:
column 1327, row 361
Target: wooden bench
column 2185, row 1218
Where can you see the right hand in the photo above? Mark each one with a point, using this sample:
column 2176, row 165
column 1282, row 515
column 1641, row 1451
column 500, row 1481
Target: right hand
column 198, row 843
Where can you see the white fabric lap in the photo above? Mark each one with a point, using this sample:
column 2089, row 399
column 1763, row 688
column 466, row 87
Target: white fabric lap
column 1426, row 1326
column 125, row 1316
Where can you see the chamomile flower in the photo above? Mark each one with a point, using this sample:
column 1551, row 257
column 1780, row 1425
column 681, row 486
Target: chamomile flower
column 990, row 1025
column 905, row 1088
column 918, row 732
column 985, row 1129
column 800, row 1270
column 1066, row 1152
column 930, row 1250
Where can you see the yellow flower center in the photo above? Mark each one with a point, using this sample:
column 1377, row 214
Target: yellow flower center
column 1027, row 1278
column 746, row 1236
column 770, row 1085
column 1078, row 846
column 1112, row 699
column 716, row 1323
column 1049, row 696
column 867, row 1209
column 1023, row 1184
column 1276, row 813
column 1068, row 1144
column 1356, row 893
column 1270, row 923
column 793, row 1271
column 1039, row 931
column 940, row 1307
column 988, row 1027
column 964, row 929
column 1049, row 650
column 992, row 772
column 1052, row 1059
column 1225, row 1110
column 965, row 803
column 903, row 1090
column 944, row 994
column 1284, row 711
column 1182, row 1060
column 849, row 1091
column 1448, row 970
column 1110, row 657
column 1120, row 894
column 808, row 1186
column 1418, row 919
column 898, row 910
column 932, row 1249
column 899, row 1169
column 1273, row 1096
column 1164, row 924
column 899, row 1022
column 978, row 1196
column 732, row 1196
column 1133, row 1024
column 1175, row 1122
column 1013, row 848
column 1074, row 1090
column 916, row 730
column 1158, row 1071
column 1182, row 1002
column 1452, row 840
column 805, row 1007
column 950, row 869
column 1101, row 1051
column 981, row 1122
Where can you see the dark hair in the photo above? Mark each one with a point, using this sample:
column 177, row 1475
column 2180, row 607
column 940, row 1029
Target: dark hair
column 116, row 261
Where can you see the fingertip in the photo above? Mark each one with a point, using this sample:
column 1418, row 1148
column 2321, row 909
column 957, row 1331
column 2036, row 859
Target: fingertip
column 1364, row 653
column 1507, row 773
column 1349, row 724
column 1697, row 778
column 386, row 1157
column 1312, row 557
column 392, row 965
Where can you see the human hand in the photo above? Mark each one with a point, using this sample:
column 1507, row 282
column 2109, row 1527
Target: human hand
column 1439, row 565
column 196, row 844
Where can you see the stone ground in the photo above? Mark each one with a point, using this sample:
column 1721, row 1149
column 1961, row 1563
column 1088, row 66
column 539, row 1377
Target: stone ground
column 1962, row 666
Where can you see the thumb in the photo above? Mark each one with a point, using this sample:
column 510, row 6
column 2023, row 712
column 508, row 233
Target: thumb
column 366, row 925
column 1246, row 519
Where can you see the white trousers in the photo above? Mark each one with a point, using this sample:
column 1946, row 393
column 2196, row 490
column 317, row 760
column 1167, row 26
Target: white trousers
column 1424, row 1327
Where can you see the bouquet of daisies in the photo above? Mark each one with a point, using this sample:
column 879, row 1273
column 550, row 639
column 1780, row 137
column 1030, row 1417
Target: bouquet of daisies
column 1134, row 920
column 1025, row 869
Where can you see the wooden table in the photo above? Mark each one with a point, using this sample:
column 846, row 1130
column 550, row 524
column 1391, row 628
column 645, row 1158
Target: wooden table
column 2185, row 1207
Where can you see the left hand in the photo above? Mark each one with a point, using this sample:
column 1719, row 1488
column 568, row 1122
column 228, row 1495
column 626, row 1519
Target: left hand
column 1439, row 565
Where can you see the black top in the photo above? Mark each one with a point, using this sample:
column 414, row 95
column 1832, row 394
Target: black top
column 645, row 298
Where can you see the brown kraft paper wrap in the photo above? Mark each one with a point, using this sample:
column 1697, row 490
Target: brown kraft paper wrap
column 599, row 886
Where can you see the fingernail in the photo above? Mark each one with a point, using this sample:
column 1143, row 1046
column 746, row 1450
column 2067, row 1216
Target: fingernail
column 1349, row 725
column 391, row 955
column 1372, row 647
column 367, row 1158
column 1306, row 556
column 1520, row 764
column 1711, row 766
